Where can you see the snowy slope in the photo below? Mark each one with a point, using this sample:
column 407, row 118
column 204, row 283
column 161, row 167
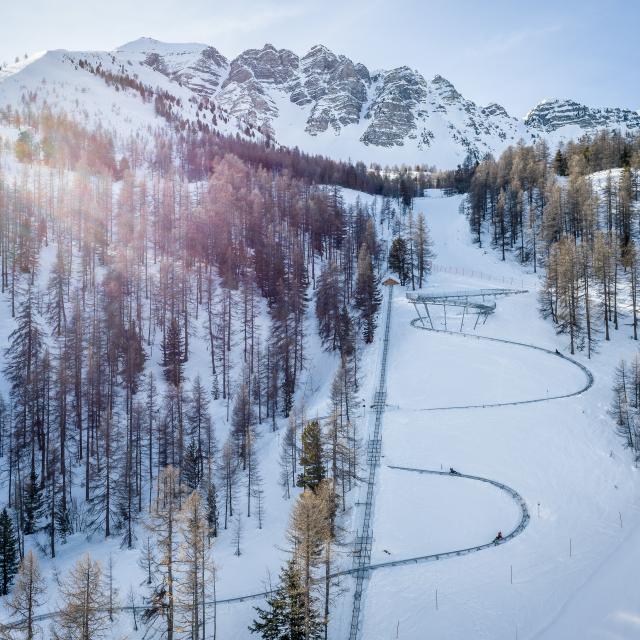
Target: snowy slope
column 263, row 550
column 570, row 578
column 59, row 80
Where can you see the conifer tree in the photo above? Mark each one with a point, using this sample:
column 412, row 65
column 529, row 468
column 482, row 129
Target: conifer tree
column 191, row 465
column 85, row 610
column 163, row 525
column 284, row 619
column 212, row 510
column 329, row 297
column 312, row 456
column 32, row 503
column 173, row 356
column 307, row 535
column 367, row 296
column 21, row 363
column 28, row 594
column 399, row 260
column 194, row 568
column 560, row 164
column 423, row 249
column 8, row 552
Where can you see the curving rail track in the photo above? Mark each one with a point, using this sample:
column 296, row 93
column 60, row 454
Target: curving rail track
column 517, row 498
column 518, row 529
column 588, row 383
column 524, row 518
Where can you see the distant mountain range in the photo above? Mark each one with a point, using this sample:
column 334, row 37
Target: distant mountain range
column 321, row 102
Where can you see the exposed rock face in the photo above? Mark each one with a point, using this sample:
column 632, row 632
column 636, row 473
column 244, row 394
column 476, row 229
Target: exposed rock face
column 395, row 107
column 245, row 92
column 335, row 86
column 493, row 109
column 551, row 115
column 327, row 103
column 207, row 73
column 267, row 65
column 446, row 91
column 198, row 67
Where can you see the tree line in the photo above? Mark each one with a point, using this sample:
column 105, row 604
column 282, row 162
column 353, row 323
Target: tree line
column 549, row 210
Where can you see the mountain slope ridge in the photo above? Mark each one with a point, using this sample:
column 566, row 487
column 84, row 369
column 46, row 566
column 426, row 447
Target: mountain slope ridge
column 322, row 102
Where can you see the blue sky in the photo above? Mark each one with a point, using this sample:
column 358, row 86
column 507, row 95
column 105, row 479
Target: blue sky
column 492, row 50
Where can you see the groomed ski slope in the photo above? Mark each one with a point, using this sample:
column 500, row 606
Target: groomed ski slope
column 572, row 567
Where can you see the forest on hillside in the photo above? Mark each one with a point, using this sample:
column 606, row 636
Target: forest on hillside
column 121, row 262
column 166, row 296
column 575, row 213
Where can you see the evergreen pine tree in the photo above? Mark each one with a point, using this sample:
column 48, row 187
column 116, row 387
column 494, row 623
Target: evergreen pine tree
column 367, row 296
column 8, row 552
column 312, row 456
column 284, row 619
column 191, row 465
column 560, row 165
column 173, row 354
column 347, row 337
column 212, row 510
column 398, row 259
column 32, row 503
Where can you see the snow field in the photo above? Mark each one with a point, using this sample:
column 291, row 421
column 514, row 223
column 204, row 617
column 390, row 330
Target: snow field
column 562, row 456
column 463, row 371
column 437, row 514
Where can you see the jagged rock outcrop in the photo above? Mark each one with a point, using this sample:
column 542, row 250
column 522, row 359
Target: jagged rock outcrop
column 322, row 102
column 552, row 115
column 335, row 86
column 395, row 107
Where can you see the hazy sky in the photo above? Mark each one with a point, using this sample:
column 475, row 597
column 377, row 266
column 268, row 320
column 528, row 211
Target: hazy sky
column 492, row 50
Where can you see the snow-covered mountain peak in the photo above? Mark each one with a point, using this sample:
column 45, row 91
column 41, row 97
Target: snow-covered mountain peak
column 271, row 65
column 21, row 64
column 322, row 101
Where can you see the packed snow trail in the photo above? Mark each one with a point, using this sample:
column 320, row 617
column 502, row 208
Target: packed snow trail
column 556, row 354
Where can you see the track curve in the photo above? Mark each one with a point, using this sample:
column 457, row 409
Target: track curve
column 589, row 379
column 518, row 499
column 517, row 530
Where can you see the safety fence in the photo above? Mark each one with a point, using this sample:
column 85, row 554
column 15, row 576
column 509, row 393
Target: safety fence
column 475, row 273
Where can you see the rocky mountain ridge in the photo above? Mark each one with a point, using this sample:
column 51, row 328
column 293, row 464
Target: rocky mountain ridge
column 323, row 102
